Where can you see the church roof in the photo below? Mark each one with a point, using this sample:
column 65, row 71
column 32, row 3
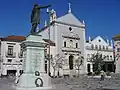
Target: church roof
column 69, row 19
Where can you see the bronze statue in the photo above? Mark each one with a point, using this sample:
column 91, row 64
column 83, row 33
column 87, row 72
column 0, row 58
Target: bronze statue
column 35, row 16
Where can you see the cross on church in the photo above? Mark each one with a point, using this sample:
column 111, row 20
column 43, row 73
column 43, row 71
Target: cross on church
column 69, row 7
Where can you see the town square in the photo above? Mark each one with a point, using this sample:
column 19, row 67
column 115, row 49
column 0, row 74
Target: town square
column 49, row 47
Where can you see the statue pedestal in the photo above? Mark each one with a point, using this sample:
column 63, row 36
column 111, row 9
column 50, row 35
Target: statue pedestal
column 34, row 76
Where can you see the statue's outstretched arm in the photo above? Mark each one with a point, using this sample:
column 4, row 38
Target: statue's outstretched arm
column 41, row 7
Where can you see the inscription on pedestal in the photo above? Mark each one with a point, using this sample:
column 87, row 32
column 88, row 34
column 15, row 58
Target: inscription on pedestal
column 35, row 60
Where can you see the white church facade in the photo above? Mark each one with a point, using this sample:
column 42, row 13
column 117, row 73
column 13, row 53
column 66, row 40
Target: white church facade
column 68, row 34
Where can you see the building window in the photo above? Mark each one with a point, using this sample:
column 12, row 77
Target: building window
column 76, row 45
column 10, row 50
column 71, row 62
column 111, row 57
column 51, row 56
column 20, row 60
column 64, row 44
column 96, row 47
column 92, row 55
column 103, row 47
column 104, row 56
column 21, row 51
column 118, row 49
column 92, row 46
column 99, row 47
column 71, row 43
column 88, row 57
column 9, row 60
column 106, row 47
column 107, row 57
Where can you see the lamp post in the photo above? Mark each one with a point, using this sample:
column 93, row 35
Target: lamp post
column 49, row 12
column 1, row 60
column 113, row 65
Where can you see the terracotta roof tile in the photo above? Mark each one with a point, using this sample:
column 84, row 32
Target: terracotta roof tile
column 116, row 36
column 13, row 38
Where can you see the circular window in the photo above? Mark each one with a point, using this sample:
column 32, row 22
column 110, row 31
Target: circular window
column 99, row 40
column 70, row 28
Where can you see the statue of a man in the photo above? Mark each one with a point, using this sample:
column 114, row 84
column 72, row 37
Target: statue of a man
column 35, row 16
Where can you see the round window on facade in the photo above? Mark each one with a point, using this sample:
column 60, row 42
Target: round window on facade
column 70, row 28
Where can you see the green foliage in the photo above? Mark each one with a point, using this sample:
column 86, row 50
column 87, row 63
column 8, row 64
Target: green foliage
column 97, row 72
column 98, row 62
column 90, row 74
column 108, row 73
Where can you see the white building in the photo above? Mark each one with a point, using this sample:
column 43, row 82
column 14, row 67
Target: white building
column 68, row 34
column 104, row 47
column 116, row 39
column 11, row 55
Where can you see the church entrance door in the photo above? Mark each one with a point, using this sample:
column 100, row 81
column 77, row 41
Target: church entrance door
column 71, row 62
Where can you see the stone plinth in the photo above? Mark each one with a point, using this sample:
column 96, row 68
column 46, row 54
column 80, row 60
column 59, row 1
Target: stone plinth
column 34, row 76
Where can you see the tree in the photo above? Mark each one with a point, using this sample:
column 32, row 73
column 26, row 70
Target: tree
column 78, row 63
column 57, row 62
column 98, row 61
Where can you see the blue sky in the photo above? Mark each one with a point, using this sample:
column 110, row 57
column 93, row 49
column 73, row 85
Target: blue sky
column 102, row 17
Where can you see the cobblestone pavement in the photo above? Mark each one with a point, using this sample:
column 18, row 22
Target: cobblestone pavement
column 81, row 83
column 85, row 83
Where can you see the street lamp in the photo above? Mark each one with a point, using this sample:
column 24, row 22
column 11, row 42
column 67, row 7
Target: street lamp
column 49, row 13
column 1, row 60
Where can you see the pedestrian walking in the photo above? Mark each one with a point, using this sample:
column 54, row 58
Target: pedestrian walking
column 102, row 75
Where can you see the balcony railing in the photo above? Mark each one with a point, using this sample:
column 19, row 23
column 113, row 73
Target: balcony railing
column 69, row 49
column 11, row 55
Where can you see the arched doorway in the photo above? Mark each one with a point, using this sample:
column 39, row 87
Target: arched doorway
column 70, row 62
column 88, row 67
